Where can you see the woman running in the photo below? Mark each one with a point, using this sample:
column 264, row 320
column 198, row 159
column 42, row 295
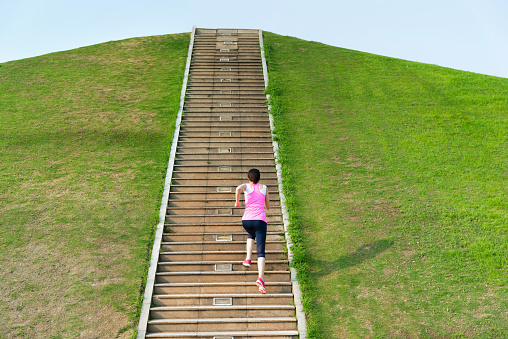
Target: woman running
column 254, row 221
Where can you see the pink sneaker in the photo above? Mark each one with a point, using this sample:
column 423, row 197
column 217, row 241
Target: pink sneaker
column 261, row 285
column 246, row 262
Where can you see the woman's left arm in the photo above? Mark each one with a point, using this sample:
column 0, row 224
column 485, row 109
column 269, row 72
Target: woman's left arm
column 267, row 199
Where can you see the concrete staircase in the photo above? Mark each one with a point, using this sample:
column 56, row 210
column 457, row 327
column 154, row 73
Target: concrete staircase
column 201, row 289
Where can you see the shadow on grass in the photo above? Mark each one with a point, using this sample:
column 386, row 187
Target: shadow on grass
column 364, row 252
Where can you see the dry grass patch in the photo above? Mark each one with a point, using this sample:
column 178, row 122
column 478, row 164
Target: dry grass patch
column 87, row 136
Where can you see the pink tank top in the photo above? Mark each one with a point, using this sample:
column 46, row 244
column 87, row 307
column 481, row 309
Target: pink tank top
column 254, row 203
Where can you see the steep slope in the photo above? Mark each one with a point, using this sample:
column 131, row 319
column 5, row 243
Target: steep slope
column 396, row 172
column 84, row 143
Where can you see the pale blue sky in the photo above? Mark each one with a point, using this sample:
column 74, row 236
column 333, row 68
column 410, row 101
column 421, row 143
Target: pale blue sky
column 469, row 35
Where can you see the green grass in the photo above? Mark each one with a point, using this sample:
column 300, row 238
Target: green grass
column 85, row 139
column 396, row 177
column 395, row 173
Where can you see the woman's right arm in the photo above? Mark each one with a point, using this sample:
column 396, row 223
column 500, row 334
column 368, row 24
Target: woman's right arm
column 239, row 190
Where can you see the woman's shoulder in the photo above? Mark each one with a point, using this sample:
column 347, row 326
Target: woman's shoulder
column 263, row 188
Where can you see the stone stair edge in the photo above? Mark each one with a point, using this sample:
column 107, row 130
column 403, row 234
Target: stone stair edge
column 224, row 320
column 232, row 295
column 223, row 284
column 226, row 335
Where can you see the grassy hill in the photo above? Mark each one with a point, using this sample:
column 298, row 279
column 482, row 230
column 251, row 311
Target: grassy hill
column 395, row 173
column 85, row 138
column 397, row 182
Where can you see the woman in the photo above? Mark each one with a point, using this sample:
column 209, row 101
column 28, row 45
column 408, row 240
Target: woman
column 254, row 220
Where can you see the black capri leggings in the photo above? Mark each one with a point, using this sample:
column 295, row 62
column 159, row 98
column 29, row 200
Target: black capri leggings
column 256, row 230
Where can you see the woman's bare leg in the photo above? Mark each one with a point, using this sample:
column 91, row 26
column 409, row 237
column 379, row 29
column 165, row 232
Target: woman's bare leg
column 261, row 268
column 250, row 244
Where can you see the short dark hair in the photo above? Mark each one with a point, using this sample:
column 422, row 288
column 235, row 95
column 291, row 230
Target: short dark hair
column 254, row 175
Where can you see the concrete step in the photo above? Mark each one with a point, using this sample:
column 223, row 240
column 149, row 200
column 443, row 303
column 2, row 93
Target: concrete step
column 229, row 187
column 193, row 115
column 241, row 77
column 225, row 89
column 219, row 133
column 191, row 237
column 203, row 54
column 218, row 299
column 216, row 228
column 231, row 90
column 227, row 95
column 219, row 71
column 215, row 171
column 214, row 325
column 185, row 194
column 234, row 77
column 224, row 171
column 211, row 53
column 224, row 144
column 226, row 109
column 207, row 56
column 222, row 288
column 224, row 118
column 243, row 47
column 212, row 266
column 221, row 97
column 214, row 66
column 220, row 101
column 225, row 80
column 196, row 184
column 234, row 40
column 208, row 312
column 219, row 61
column 247, row 95
column 221, row 150
column 247, row 107
column 236, row 217
column 224, row 129
column 225, row 31
column 216, row 246
column 215, row 166
column 225, row 121
column 219, row 277
column 214, row 211
column 234, row 163
column 226, row 156
column 214, row 255
column 228, row 335
column 238, row 39
column 223, row 67
column 226, row 84
column 216, row 63
column 226, row 47
column 211, row 203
